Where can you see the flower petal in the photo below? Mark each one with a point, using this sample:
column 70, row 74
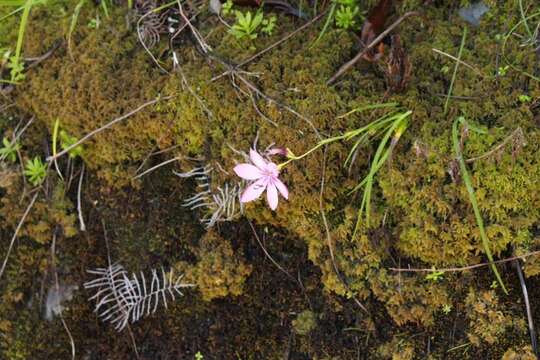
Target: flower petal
column 281, row 187
column 253, row 191
column 277, row 151
column 272, row 196
column 257, row 159
column 247, row 171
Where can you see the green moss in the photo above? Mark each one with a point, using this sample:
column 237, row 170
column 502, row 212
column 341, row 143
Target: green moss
column 305, row 322
column 219, row 272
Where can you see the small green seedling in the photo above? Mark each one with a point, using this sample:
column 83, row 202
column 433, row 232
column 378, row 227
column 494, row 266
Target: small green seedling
column 94, row 23
column 446, row 309
column 226, row 8
column 434, row 275
column 9, row 150
column 246, row 25
column 199, row 356
column 494, row 285
column 503, row 70
column 66, row 141
column 16, row 69
column 35, row 170
column 345, row 16
column 524, row 98
column 268, row 25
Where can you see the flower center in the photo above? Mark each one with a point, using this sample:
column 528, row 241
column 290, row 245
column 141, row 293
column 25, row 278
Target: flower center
column 271, row 170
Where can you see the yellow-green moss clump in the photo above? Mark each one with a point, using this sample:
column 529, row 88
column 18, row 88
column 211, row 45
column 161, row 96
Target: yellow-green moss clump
column 218, row 272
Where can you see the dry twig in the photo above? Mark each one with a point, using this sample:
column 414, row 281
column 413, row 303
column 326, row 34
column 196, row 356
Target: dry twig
column 345, row 67
column 106, row 126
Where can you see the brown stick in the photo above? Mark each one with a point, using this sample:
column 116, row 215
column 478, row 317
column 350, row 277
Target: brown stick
column 106, row 126
column 345, row 67
column 19, row 226
column 277, row 43
column 498, row 147
column 470, row 267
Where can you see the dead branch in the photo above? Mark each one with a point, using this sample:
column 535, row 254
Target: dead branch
column 345, row 67
column 106, row 126
column 19, row 226
column 467, row 268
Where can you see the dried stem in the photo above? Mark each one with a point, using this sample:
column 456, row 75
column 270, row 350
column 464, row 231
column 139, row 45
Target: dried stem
column 530, row 321
column 509, row 138
column 277, row 43
column 345, row 67
column 79, row 206
column 157, row 167
column 469, row 267
column 106, row 126
column 57, row 285
column 476, row 70
column 267, row 254
column 19, row 226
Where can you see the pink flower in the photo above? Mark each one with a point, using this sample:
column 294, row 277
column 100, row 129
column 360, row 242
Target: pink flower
column 265, row 175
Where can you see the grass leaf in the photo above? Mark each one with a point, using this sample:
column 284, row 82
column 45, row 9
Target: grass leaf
column 472, row 197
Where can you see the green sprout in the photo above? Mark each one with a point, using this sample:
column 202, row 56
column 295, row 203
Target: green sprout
column 199, row 356
column 66, row 141
column 35, row 170
column 345, row 16
column 446, row 309
column 9, row 150
column 94, row 23
column 268, row 25
column 524, row 98
column 16, row 69
column 434, row 275
column 503, row 70
column 246, row 25
column 226, row 8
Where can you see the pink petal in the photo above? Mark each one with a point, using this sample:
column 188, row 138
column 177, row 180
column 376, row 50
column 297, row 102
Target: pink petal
column 247, row 171
column 277, row 151
column 253, row 191
column 257, row 159
column 281, row 187
column 272, row 196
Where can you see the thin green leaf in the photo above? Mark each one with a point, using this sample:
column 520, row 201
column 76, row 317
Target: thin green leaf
column 329, row 20
column 472, row 197
column 455, row 69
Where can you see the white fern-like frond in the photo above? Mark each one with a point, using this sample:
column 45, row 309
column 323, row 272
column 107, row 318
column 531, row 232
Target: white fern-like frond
column 220, row 204
column 121, row 299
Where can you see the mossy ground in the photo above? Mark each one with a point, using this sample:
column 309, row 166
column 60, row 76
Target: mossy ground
column 245, row 307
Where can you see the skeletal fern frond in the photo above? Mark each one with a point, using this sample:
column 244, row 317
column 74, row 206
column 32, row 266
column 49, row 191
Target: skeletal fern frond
column 121, row 299
column 220, row 204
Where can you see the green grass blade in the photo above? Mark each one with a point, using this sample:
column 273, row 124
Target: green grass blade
column 381, row 155
column 327, row 23
column 12, row 2
column 105, row 8
column 524, row 19
column 74, row 19
column 472, row 197
column 22, row 28
column 55, row 136
column 54, row 148
column 21, row 8
column 455, row 69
